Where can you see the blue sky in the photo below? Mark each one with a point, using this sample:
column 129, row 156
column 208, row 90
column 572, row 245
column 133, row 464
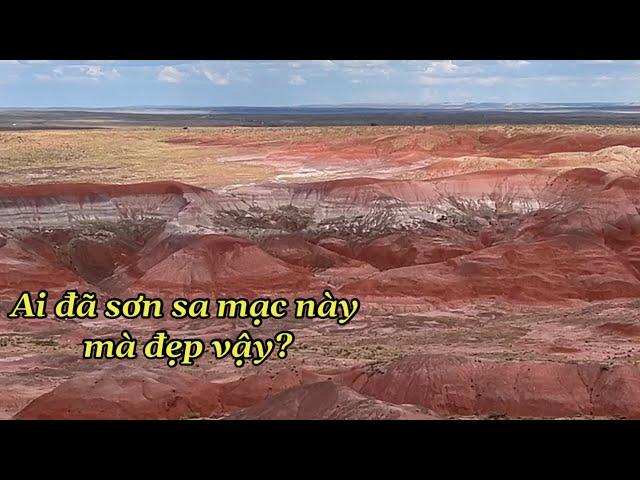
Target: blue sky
column 311, row 82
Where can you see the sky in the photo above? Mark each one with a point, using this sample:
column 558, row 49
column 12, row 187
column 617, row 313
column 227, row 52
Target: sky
column 109, row 83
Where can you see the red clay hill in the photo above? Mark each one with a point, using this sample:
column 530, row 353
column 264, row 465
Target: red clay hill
column 498, row 270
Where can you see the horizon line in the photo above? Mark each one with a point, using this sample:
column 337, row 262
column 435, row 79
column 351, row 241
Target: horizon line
column 335, row 105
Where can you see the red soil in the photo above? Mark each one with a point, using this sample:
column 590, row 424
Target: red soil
column 119, row 393
column 546, row 143
column 401, row 250
column 297, row 251
column 415, row 387
column 527, row 184
column 501, row 145
column 454, row 386
column 130, row 392
column 224, row 265
column 563, row 269
column 413, row 145
column 155, row 250
column 571, row 240
column 326, row 401
column 326, row 265
column 620, row 329
column 94, row 260
column 256, row 388
column 337, row 245
column 26, row 269
column 88, row 191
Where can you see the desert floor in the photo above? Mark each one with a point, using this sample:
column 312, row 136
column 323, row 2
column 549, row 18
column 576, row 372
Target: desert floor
column 498, row 268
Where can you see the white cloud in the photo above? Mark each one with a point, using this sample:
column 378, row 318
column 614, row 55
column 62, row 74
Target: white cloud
column 215, row 77
column 366, row 68
column 171, row 75
column 442, row 67
column 442, row 72
column 392, row 81
column 77, row 73
column 297, row 80
column 348, row 67
column 96, row 71
column 482, row 81
column 229, row 72
column 71, row 73
column 325, row 64
column 363, row 64
column 601, row 80
column 93, row 71
column 514, row 63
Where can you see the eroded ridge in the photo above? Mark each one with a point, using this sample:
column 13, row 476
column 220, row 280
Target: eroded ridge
column 498, row 269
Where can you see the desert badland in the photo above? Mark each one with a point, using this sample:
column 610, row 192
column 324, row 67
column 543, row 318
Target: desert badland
column 498, row 267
